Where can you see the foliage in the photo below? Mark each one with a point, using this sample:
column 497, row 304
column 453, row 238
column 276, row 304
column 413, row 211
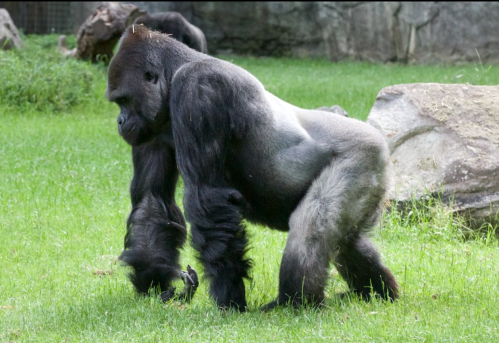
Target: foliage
column 64, row 202
column 37, row 77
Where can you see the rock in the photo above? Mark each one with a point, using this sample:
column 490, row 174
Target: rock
column 444, row 139
column 99, row 34
column 9, row 34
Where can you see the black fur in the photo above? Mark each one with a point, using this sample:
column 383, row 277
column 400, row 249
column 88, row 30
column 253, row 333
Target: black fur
column 243, row 154
column 156, row 228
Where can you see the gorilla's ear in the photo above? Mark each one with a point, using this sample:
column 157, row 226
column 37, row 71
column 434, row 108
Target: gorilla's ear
column 151, row 77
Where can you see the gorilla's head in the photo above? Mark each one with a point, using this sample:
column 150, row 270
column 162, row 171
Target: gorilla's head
column 138, row 84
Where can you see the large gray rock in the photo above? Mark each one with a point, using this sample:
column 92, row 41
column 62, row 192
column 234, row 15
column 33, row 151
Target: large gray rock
column 443, row 138
column 9, row 34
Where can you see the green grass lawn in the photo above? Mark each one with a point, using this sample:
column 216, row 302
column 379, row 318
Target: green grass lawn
column 64, row 176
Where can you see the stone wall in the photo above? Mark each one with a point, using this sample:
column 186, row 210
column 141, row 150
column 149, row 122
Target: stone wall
column 422, row 32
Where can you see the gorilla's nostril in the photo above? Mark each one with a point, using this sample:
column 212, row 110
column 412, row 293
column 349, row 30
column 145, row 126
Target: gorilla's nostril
column 121, row 120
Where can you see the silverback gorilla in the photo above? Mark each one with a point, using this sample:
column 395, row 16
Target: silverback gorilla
column 242, row 153
column 175, row 24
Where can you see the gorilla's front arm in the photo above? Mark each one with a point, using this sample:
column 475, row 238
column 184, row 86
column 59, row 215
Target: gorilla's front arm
column 155, row 228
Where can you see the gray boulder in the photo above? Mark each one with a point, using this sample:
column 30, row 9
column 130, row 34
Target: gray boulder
column 9, row 34
column 443, row 139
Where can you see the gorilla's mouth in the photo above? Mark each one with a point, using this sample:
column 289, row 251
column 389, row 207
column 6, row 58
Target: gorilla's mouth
column 127, row 132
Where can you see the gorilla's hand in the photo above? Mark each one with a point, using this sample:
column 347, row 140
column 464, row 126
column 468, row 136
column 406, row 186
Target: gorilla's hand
column 191, row 283
column 168, row 294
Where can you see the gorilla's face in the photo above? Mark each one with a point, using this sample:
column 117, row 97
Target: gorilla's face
column 139, row 89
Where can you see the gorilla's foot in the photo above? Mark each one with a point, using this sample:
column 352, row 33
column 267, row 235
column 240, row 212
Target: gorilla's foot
column 233, row 308
column 270, row 306
column 295, row 302
column 363, row 296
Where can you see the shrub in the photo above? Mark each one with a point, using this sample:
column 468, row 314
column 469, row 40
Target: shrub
column 36, row 77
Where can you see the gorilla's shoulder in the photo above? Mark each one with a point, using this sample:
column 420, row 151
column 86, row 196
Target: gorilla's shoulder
column 214, row 71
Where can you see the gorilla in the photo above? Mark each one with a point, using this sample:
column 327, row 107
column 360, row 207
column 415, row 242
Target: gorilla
column 243, row 153
column 175, row 24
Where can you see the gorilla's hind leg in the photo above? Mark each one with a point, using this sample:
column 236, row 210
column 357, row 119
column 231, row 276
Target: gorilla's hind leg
column 302, row 278
column 359, row 264
column 328, row 225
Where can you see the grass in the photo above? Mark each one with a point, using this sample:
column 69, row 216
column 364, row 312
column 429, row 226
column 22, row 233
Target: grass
column 64, row 176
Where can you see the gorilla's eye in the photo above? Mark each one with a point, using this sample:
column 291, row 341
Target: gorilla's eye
column 121, row 101
column 150, row 77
